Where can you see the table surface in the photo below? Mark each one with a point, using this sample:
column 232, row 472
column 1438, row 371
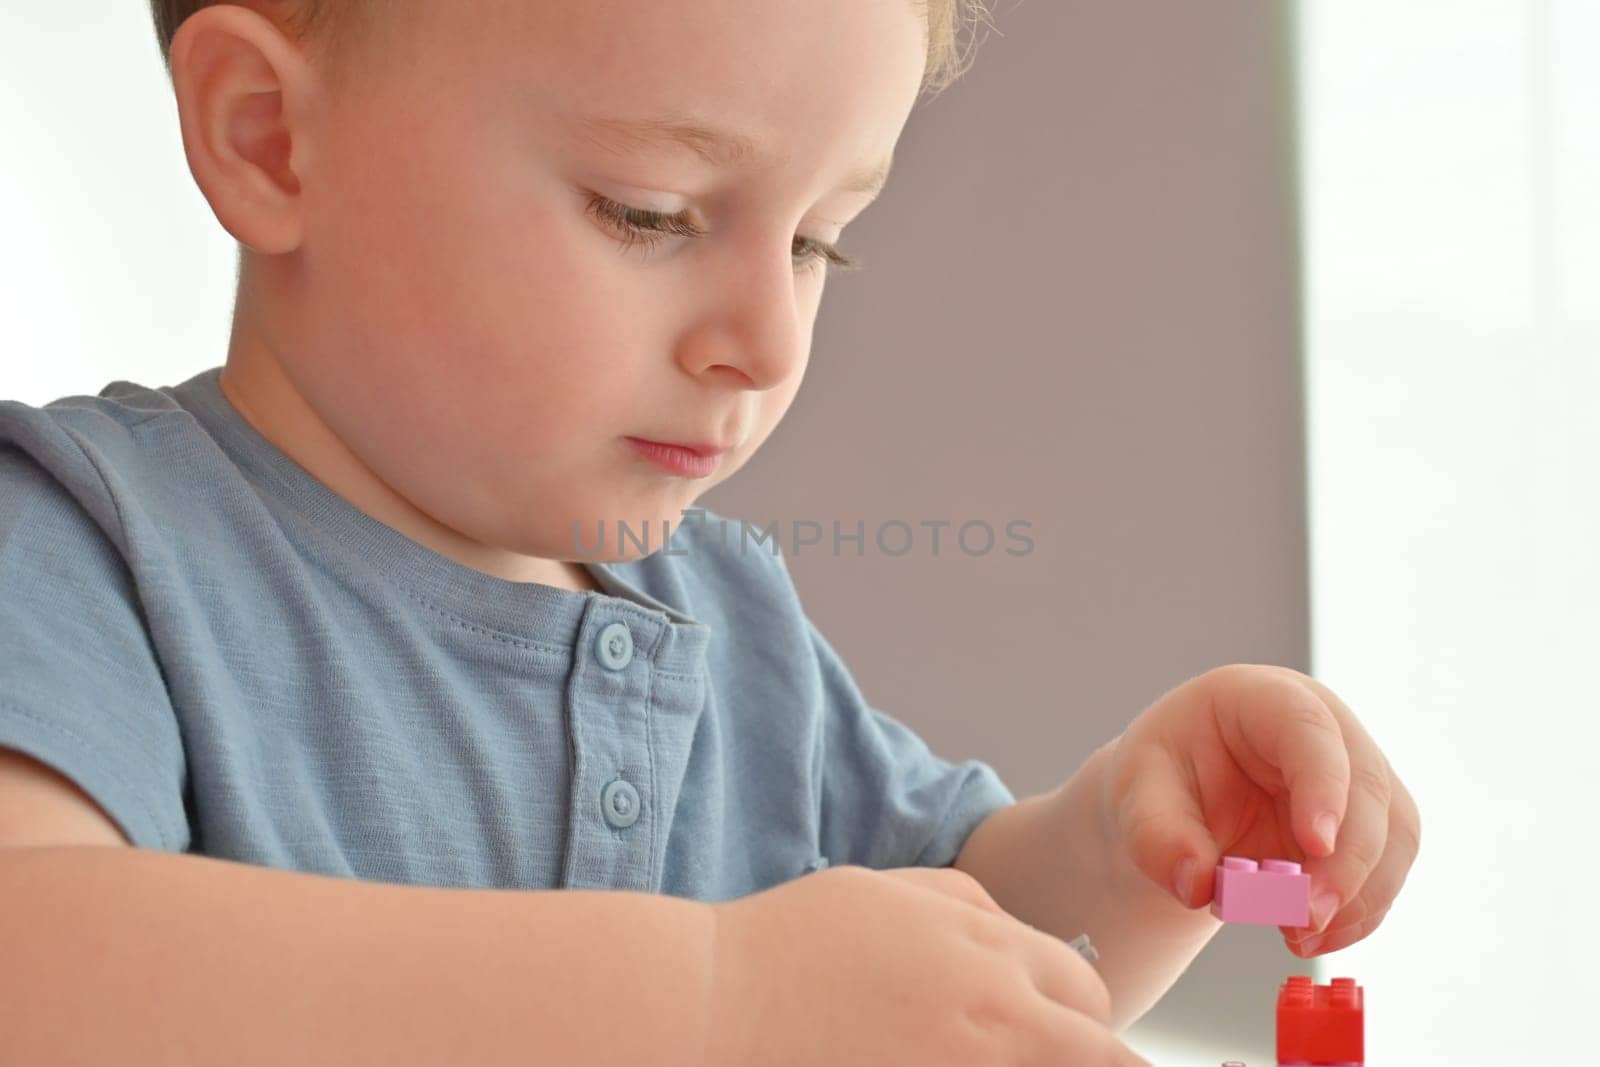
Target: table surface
column 1166, row 1051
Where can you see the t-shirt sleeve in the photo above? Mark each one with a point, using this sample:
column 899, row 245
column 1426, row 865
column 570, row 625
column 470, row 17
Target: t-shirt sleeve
column 81, row 688
column 887, row 799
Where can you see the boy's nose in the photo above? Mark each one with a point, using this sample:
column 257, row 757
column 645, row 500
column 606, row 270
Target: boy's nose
column 752, row 322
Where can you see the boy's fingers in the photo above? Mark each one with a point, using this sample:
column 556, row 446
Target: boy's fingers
column 1377, row 802
column 1292, row 727
column 1374, row 896
column 1162, row 825
column 1336, row 879
column 1071, row 1037
column 1333, row 941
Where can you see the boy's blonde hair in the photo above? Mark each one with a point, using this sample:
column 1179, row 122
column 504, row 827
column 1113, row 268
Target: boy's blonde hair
column 328, row 26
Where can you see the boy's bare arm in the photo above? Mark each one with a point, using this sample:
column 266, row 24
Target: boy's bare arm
column 125, row 955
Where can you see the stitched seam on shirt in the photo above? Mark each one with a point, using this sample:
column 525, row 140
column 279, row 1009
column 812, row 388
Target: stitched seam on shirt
column 519, row 642
column 122, row 528
column 127, row 735
column 655, row 794
column 116, row 505
column 88, row 746
column 151, row 415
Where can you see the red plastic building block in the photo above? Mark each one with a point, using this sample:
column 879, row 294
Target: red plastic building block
column 1320, row 1024
column 1274, row 892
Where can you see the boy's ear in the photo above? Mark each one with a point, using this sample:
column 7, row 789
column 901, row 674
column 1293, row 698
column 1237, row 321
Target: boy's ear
column 245, row 97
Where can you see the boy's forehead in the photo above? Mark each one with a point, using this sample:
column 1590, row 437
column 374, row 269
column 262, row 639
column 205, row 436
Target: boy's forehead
column 732, row 81
column 604, row 52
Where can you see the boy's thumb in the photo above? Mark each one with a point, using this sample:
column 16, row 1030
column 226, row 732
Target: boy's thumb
column 1165, row 832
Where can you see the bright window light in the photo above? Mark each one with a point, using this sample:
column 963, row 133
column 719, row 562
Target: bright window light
column 1451, row 163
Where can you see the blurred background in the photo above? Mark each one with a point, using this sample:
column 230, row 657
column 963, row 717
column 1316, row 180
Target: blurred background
column 1279, row 324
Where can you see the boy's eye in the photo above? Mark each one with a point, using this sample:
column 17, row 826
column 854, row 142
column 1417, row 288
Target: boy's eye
column 638, row 225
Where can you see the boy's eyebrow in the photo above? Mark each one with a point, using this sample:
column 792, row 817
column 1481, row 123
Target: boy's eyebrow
column 715, row 144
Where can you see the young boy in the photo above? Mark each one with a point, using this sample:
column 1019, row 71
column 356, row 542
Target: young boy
column 325, row 635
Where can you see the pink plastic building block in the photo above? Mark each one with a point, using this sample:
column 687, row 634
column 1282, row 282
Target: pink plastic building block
column 1272, row 892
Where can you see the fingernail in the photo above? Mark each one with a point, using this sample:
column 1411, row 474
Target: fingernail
column 1327, row 828
column 1322, row 909
column 1310, row 945
column 1183, row 882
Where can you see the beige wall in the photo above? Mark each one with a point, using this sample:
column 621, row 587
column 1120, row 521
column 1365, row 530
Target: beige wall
column 1080, row 308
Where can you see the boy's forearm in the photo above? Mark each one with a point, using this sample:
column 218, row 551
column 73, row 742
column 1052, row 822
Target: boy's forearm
column 124, row 955
column 1048, row 861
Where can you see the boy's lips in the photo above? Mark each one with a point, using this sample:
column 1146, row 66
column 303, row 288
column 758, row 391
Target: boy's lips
column 698, row 448
column 690, row 461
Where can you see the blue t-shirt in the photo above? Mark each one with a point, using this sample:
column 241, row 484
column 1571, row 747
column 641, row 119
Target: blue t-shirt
column 235, row 661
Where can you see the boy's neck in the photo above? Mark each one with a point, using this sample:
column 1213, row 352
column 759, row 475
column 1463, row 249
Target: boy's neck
column 255, row 385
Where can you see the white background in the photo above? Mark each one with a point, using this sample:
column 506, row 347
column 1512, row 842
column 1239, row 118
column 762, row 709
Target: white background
column 93, row 180
column 1451, row 158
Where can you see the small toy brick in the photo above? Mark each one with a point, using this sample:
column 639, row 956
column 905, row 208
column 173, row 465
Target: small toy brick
column 1320, row 1024
column 1272, row 892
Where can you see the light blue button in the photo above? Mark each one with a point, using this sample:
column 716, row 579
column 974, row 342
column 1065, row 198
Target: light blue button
column 619, row 801
column 614, row 647
column 817, row 864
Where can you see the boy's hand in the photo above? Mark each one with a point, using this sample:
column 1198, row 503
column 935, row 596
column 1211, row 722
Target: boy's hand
column 915, row 966
column 1264, row 762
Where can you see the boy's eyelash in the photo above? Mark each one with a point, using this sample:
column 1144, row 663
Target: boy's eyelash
column 649, row 227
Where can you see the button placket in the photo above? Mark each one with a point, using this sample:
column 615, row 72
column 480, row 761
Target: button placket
column 612, row 837
column 619, row 799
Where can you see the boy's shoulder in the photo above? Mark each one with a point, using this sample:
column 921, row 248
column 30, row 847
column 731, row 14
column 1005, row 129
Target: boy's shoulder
column 96, row 448
column 106, row 420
